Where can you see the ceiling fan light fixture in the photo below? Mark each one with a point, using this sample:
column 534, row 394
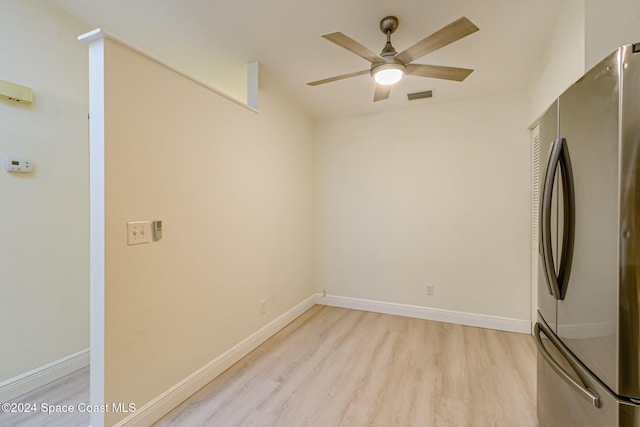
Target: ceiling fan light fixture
column 389, row 67
column 388, row 74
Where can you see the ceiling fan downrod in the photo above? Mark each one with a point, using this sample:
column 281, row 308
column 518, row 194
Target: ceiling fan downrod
column 388, row 25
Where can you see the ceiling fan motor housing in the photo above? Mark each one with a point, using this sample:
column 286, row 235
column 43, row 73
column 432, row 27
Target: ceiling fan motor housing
column 390, row 63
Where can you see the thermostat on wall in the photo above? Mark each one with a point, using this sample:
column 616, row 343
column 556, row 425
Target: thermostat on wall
column 18, row 164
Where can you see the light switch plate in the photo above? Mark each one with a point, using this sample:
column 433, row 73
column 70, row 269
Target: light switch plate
column 138, row 232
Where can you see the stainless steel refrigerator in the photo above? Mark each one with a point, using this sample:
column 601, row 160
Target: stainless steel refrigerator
column 588, row 329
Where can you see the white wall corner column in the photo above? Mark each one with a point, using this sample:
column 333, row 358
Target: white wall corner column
column 96, row 42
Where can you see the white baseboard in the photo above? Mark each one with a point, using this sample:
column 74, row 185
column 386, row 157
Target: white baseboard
column 419, row 312
column 29, row 381
column 167, row 401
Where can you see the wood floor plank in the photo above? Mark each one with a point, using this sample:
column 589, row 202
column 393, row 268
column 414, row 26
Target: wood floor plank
column 339, row 367
column 72, row 390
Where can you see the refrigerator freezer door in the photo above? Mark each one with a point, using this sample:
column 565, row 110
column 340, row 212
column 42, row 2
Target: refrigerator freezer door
column 587, row 317
column 562, row 404
column 629, row 415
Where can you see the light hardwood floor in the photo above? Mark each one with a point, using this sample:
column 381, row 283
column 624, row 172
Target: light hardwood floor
column 339, row 367
column 72, row 389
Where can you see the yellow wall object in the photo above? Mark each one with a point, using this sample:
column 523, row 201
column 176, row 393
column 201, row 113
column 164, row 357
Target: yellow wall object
column 16, row 92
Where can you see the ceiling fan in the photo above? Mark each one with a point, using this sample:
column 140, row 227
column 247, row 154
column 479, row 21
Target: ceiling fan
column 389, row 67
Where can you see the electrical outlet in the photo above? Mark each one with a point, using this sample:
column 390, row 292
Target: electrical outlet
column 430, row 289
column 138, row 232
column 263, row 306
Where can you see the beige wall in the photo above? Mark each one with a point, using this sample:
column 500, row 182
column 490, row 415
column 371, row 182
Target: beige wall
column 44, row 260
column 234, row 191
column 609, row 24
column 563, row 60
column 585, row 33
column 434, row 194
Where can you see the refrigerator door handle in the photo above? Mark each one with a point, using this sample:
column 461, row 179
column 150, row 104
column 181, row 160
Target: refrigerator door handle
column 559, row 157
column 569, row 215
column 581, row 388
column 545, row 220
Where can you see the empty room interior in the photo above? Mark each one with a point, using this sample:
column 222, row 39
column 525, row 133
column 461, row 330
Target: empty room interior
column 216, row 213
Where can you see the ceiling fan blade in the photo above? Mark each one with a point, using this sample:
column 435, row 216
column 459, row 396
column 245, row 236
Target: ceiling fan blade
column 444, row 36
column 353, row 46
column 382, row 92
column 340, row 77
column 438, row 72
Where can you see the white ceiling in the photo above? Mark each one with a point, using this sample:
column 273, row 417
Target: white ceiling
column 198, row 36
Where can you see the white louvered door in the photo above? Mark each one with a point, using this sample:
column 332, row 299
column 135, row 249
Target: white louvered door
column 535, row 214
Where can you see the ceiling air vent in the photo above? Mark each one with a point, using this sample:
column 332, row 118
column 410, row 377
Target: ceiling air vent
column 420, row 95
